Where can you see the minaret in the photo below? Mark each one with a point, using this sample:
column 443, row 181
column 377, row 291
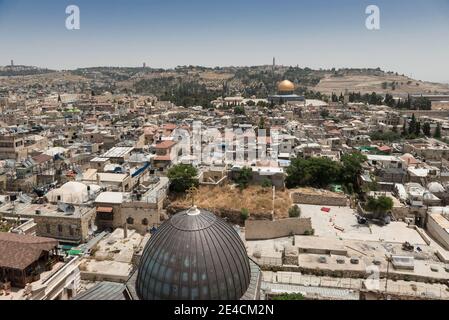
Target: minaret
column 274, row 64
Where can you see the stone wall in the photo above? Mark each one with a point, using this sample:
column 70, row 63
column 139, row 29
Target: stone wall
column 320, row 198
column 65, row 228
column 266, row 229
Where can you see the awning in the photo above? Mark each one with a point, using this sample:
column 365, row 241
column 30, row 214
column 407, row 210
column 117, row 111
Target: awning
column 104, row 209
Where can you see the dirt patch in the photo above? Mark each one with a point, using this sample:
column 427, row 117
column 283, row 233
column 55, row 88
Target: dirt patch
column 227, row 201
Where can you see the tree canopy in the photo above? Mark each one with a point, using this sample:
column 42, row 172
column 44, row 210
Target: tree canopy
column 182, row 177
column 243, row 177
column 379, row 206
column 321, row 172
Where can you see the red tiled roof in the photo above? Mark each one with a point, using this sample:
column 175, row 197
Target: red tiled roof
column 169, row 126
column 105, row 209
column 165, row 144
column 19, row 251
column 384, row 148
column 162, row 158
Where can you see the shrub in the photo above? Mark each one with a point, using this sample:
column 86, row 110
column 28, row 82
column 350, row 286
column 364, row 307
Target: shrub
column 309, row 232
column 244, row 214
column 294, row 212
column 266, row 183
column 288, row 296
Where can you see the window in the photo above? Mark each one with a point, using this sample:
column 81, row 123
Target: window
column 130, row 220
column 71, row 230
column 59, row 198
column 47, row 226
column 145, row 222
column 60, row 228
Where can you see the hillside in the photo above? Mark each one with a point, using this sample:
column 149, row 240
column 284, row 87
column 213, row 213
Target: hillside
column 196, row 85
column 385, row 83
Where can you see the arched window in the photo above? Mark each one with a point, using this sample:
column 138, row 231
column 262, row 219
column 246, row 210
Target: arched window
column 130, row 220
column 145, row 222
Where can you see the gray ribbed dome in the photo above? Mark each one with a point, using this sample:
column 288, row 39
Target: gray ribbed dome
column 194, row 256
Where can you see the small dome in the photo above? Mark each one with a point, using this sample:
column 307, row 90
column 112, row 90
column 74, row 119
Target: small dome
column 435, row 187
column 194, row 256
column 286, row 86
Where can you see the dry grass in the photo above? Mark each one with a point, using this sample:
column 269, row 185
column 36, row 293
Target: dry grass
column 256, row 199
column 370, row 83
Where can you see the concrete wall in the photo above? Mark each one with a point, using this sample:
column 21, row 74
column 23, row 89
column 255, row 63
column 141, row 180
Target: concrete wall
column 325, row 199
column 437, row 232
column 266, row 229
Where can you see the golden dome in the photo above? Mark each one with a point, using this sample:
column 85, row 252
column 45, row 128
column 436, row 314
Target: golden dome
column 286, row 86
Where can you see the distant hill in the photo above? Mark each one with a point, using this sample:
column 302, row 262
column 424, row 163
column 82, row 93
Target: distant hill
column 260, row 80
column 12, row 71
column 197, row 85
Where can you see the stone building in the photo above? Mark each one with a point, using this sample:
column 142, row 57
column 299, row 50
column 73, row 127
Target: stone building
column 12, row 147
column 140, row 210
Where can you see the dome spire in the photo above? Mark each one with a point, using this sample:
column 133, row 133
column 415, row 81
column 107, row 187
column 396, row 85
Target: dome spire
column 191, row 193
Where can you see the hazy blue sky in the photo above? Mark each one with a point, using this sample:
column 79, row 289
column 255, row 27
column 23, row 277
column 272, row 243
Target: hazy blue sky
column 414, row 35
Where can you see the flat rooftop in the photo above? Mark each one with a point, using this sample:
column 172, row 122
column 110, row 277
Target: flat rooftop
column 341, row 223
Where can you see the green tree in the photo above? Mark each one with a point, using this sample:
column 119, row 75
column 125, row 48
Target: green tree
column 239, row 110
column 389, row 100
column 437, row 134
column 314, row 172
column 379, row 206
column 182, row 177
column 426, row 129
column 421, row 103
column 243, row 177
column 261, row 124
column 262, row 104
column 418, row 129
column 351, row 168
column 404, row 129
column 389, row 136
column 324, row 113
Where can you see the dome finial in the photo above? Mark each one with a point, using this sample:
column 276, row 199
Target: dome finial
column 191, row 192
column 193, row 211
